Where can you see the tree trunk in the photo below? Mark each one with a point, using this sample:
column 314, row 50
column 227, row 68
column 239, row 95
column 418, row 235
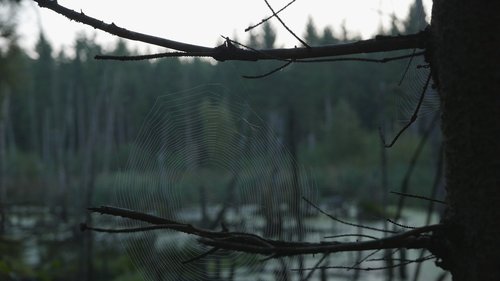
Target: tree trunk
column 465, row 62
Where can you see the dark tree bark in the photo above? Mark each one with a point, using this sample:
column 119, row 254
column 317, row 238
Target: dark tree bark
column 465, row 61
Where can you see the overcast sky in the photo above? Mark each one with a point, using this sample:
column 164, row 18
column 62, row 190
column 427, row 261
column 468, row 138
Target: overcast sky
column 202, row 22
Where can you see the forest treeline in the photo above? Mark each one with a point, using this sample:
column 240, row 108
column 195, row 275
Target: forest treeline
column 60, row 105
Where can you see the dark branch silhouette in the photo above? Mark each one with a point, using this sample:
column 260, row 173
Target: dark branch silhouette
column 400, row 224
column 285, row 26
column 252, row 243
column 383, row 60
column 405, row 183
column 269, row 17
column 418, row 197
column 316, row 266
column 151, row 56
column 351, row 235
column 345, row 222
column 268, row 73
column 373, row 268
column 231, row 52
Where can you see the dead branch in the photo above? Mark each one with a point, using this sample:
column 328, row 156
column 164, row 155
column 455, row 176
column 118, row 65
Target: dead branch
column 406, row 262
column 351, row 235
column 281, row 67
column 231, row 52
column 252, row 243
column 413, row 161
column 419, row 197
column 285, row 26
column 269, row 17
column 345, row 222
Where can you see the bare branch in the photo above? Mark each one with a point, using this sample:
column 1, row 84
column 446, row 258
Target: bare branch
column 384, row 60
column 400, row 225
column 231, row 52
column 373, row 268
column 316, row 266
column 194, row 54
column 413, row 161
column 268, row 73
column 269, row 17
column 345, row 222
column 251, row 243
column 364, row 259
column 351, row 235
column 419, row 197
column 285, row 26
column 130, row 214
column 151, row 56
column 119, row 31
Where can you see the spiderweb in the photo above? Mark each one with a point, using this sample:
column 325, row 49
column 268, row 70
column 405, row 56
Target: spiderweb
column 411, row 89
column 204, row 157
column 407, row 93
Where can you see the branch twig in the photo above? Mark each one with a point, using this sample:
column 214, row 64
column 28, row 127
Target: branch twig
column 285, row 26
column 345, row 222
column 418, row 197
column 251, row 243
column 373, row 268
column 230, row 52
column 268, row 73
column 269, row 17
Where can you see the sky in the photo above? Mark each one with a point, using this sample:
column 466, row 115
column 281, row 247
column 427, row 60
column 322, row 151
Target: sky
column 203, row 22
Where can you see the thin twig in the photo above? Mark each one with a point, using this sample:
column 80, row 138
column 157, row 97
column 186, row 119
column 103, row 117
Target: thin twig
column 152, row 56
column 419, row 197
column 352, row 235
column 84, row 227
column 269, row 17
column 373, row 268
column 394, row 259
column 400, row 225
column 130, row 214
column 285, row 26
column 413, row 162
column 383, row 60
column 268, row 73
column 315, row 266
column 364, row 259
column 407, row 67
column 414, row 116
column 345, row 222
